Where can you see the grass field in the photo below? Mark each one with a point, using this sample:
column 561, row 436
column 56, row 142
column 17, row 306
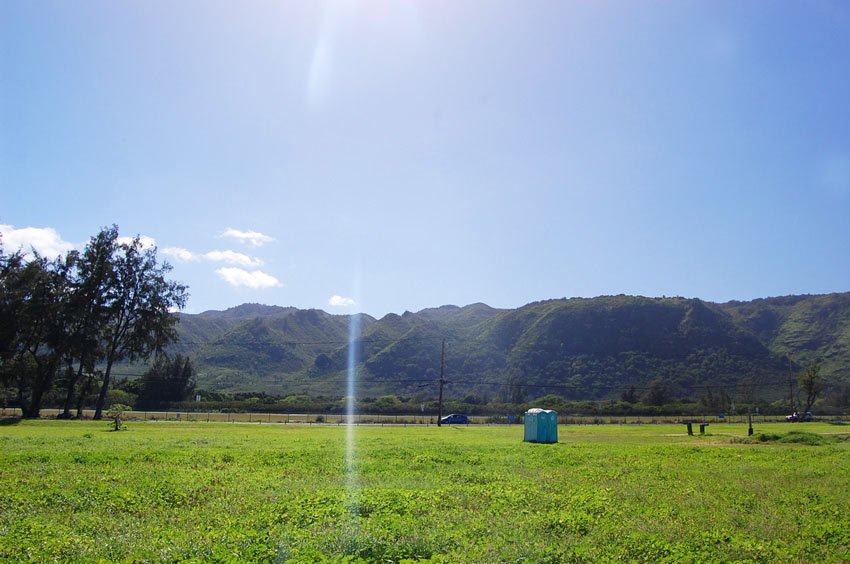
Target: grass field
column 160, row 491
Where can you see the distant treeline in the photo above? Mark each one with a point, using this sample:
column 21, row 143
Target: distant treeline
column 395, row 405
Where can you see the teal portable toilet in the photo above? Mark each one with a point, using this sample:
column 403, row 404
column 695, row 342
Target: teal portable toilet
column 541, row 426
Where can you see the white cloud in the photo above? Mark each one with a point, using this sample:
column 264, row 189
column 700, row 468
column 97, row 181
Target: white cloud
column 228, row 257
column 232, row 257
column 147, row 242
column 255, row 279
column 179, row 253
column 45, row 240
column 339, row 301
column 253, row 238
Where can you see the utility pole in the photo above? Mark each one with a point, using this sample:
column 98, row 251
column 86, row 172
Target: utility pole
column 750, row 420
column 790, row 385
column 442, row 381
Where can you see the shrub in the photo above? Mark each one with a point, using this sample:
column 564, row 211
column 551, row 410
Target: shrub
column 116, row 412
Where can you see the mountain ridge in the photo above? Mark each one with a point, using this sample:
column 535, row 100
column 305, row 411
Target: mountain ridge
column 585, row 348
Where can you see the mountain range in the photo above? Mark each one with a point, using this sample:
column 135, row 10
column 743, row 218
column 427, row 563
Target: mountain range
column 578, row 348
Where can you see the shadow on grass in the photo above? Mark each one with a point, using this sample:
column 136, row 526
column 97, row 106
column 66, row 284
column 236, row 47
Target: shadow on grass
column 7, row 421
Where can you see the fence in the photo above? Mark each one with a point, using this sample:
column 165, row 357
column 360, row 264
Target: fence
column 250, row 417
column 367, row 419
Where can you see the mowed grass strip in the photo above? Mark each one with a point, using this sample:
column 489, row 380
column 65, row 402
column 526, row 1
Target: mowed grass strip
column 209, row 491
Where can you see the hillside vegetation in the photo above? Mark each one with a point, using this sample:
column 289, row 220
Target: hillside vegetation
column 595, row 349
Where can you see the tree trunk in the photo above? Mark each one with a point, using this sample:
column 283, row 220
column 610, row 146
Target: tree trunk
column 34, row 411
column 72, row 385
column 87, row 383
column 101, row 399
column 45, row 372
column 22, row 401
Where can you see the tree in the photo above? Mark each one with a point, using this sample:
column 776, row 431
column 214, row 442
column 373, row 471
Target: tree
column 87, row 308
column 720, row 402
column 169, row 379
column 656, row 393
column 139, row 301
column 514, row 390
column 32, row 294
column 811, row 385
column 841, row 396
column 323, row 362
column 108, row 303
column 630, row 395
column 116, row 413
column 9, row 265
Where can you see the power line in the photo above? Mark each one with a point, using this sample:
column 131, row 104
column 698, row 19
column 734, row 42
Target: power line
column 423, row 382
column 309, row 382
column 302, row 343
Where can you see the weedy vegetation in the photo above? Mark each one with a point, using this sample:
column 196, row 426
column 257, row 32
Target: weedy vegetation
column 73, row 490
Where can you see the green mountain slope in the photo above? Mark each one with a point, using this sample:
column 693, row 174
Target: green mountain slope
column 578, row 348
column 802, row 328
column 599, row 346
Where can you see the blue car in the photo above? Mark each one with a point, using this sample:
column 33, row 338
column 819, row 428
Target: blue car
column 455, row 418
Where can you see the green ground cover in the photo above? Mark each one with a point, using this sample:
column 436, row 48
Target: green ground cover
column 75, row 491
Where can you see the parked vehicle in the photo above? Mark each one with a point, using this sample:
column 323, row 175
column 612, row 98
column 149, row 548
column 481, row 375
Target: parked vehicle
column 455, row 419
column 799, row 417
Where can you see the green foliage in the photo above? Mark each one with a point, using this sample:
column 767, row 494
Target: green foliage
column 580, row 349
column 116, row 413
column 795, row 437
column 118, row 396
column 811, row 385
column 630, row 395
column 108, row 303
column 170, row 379
column 139, row 320
column 323, row 362
column 656, row 393
column 805, row 329
column 33, row 294
column 269, row 493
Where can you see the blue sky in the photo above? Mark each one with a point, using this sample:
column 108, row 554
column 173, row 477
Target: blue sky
column 391, row 155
